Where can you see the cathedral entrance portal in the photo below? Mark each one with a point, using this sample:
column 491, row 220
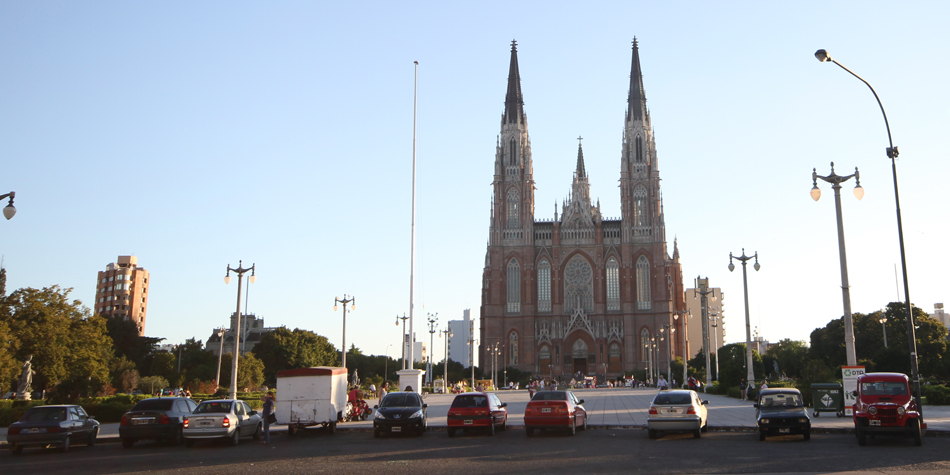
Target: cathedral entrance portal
column 579, row 353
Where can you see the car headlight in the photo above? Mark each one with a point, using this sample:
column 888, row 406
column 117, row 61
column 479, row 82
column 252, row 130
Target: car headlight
column 872, row 410
column 763, row 421
column 901, row 411
column 416, row 415
column 802, row 420
column 379, row 415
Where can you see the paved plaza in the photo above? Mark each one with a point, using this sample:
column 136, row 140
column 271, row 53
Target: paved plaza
column 618, row 408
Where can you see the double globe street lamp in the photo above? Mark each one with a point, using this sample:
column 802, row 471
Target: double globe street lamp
column 9, row 211
column 351, row 300
column 240, row 271
column 750, row 371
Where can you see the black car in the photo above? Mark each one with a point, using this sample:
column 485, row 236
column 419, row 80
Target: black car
column 781, row 411
column 159, row 418
column 400, row 412
column 43, row 426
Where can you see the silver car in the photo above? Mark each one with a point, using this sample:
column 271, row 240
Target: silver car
column 228, row 419
column 679, row 410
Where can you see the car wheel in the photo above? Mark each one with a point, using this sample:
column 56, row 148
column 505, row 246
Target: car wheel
column 697, row 433
column 258, row 431
column 573, row 429
column 235, row 437
column 92, row 437
column 451, row 432
column 65, row 446
column 761, row 436
column 584, row 427
column 862, row 437
column 529, row 431
column 807, row 434
column 705, row 427
column 175, row 439
column 16, row 449
column 651, row 434
column 915, row 431
column 504, row 425
column 189, row 443
column 491, row 427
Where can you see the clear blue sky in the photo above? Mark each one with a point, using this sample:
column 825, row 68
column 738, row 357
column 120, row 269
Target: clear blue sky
column 195, row 134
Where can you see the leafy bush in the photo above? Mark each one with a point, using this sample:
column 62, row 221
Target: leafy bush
column 12, row 411
column 937, row 395
column 108, row 412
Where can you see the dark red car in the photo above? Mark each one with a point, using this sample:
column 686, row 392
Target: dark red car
column 558, row 410
column 884, row 405
column 471, row 410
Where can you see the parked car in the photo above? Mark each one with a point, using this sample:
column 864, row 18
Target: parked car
column 482, row 410
column 156, row 419
column 559, row 410
column 228, row 419
column 884, row 405
column 400, row 412
column 43, row 426
column 781, row 411
column 677, row 410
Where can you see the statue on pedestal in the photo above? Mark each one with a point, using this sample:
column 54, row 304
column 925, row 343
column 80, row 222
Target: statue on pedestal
column 24, row 388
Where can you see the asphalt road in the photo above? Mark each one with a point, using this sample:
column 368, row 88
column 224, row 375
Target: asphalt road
column 591, row 452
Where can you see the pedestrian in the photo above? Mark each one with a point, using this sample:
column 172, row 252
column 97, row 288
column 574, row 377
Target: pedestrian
column 268, row 414
column 764, row 386
column 372, row 388
column 743, row 386
column 383, row 389
column 661, row 384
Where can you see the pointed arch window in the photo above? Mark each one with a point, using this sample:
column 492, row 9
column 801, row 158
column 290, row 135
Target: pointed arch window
column 513, row 348
column 512, row 153
column 514, row 287
column 639, row 149
column 644, row 300
column 613, row 284
column 640, row 215
column 513, row 215
column 544, row 286
column 578, row 285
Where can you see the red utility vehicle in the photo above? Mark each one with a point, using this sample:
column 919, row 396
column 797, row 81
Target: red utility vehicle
column 470, row 410
column 555, row 410
column 884, row 405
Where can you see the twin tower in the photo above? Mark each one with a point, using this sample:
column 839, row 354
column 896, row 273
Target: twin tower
column 579, row 295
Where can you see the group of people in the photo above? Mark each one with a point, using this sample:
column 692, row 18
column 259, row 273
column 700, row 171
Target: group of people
column 745, row 394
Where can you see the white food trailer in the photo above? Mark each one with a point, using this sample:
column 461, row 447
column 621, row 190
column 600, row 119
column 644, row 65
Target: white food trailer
column 310, row 396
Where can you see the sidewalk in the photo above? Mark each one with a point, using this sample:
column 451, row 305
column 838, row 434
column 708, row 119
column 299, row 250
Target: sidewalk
column 618, row 408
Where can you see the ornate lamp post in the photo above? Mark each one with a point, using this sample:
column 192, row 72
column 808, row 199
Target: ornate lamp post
column 750, row 370
column 702, row 288
column 351, row 300
column 217, row 376
column 892, row 153
column 237, row 321
column 669, row 347
column 9, row 211
column 433, row 317
column 445, row 361
column 686, row 316
column 836, row 181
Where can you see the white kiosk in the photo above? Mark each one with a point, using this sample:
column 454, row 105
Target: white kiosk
column 411, row 378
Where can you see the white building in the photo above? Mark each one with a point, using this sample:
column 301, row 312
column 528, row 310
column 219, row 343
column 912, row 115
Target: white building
column 461, row 331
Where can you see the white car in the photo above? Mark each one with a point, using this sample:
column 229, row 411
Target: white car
column 678, row 410
column 228, row 419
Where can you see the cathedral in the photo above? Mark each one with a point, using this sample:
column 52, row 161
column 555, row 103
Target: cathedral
column 580, row 294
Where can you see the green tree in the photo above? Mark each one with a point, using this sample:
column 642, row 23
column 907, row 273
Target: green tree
column 152, row 384
column 165, row 364
column 791, row 356
column 127, row 343
column 250, row 372
column 9, row 367
column 285, row 349
column 732, row 367
column 125, row 376
column 197, row 363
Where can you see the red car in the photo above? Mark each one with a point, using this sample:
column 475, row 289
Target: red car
column 482, row 410
column 884, row 405
column 560, row 410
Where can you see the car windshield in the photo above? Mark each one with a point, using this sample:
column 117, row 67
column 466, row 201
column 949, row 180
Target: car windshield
column 550, row 396
column 154, row 405
column 881, row 388
column 674, row 398
column 40, row 414
column 781, row 400
column 401, row 400
column 211, row 407
column 470, row 401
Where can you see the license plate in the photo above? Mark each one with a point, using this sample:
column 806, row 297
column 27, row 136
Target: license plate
column 140, row 421
column 671, row 411
column 396, row 429
column 204, row 424
column 874, row 423
column 36, row 430
column 783, row 430
column 545, row 409
column 468, row 422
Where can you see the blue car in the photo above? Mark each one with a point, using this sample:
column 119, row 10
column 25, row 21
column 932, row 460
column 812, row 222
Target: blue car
column 60, row 426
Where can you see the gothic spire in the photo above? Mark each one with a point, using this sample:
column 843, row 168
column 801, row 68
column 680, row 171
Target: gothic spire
column 580, row 172
column 514, row 102
column 637, row 100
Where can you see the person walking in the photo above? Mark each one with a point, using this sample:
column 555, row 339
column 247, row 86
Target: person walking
column 743, row 386
column 268, row 412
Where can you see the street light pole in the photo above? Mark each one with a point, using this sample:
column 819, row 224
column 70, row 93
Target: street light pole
column 9, row 211
column 750, row 371
column 386, row 366
column 445, row 361
column 344, row 301
column 715, row 325
column 433, row 317
column 669, row 350
column 237, row 321
column 703, row 291
column 836, row 181
column 471, row 357
column 403, row 339
column 217, row 376
column 883, row 321
column 892, row 153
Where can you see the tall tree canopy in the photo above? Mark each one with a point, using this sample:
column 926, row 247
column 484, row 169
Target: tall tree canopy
column 284, row 349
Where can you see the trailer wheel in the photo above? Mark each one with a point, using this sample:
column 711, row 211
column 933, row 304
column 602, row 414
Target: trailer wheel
column 292, row 430
column 332, row 428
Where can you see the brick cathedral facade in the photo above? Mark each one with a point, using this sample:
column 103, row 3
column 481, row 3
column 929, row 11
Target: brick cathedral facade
column 579, row 293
